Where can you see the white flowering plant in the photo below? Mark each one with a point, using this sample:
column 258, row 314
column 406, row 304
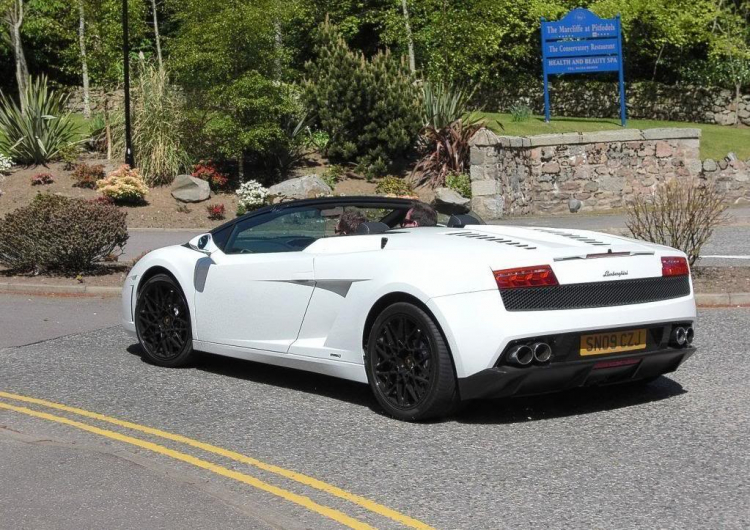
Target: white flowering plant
column 252, row 195
column 5, row 163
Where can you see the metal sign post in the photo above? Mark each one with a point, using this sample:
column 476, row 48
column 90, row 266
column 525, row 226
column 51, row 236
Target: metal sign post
column 582, row 43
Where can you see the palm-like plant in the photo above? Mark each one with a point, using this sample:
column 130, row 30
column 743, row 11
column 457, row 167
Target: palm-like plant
column 442, row 103
column 445, row 136
column 36, row 134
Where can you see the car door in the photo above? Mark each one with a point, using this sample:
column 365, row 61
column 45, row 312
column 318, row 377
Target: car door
column 257, row 289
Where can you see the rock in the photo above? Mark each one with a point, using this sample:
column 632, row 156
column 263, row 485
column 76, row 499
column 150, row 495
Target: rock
column 551, row 168
column 190, row 189
column 449, row 201
column 307, row 187
column 709, row 165
column 488, row 207
column 574, row 205
column 663, row 149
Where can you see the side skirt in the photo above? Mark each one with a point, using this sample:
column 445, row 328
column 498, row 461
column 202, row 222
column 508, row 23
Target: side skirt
column 340, row 369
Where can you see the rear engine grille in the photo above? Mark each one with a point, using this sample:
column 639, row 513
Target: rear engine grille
column 598, row 294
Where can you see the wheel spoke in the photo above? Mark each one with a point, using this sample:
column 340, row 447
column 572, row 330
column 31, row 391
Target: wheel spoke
column 402, row 361
column 162, row 321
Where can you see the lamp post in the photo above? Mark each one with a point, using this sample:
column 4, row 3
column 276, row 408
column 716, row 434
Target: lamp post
column 129, row 157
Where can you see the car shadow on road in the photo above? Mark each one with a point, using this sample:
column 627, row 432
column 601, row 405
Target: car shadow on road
column 575, row 402
column 267, row 374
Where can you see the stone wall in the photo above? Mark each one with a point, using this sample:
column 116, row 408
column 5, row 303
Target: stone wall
column 96, row 100
column 598, row 171
column 646, row 100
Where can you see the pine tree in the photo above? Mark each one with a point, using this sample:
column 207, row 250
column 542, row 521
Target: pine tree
column 369, row 108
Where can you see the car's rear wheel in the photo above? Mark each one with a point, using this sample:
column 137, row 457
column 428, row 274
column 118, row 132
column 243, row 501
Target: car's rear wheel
column 162, row 322
column 409, row 366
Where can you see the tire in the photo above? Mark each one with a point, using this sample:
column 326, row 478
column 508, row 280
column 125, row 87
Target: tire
column 162, row 323
column 409, row 366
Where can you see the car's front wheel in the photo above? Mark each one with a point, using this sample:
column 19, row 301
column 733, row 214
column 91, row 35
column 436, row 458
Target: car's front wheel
column 408, row 364
column 162, row 322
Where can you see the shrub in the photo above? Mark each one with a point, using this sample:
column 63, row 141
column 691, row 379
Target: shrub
column 206, row 170
column 446, row 151
column 394, row 186
column 68, row 155
column 369, row 108
column 124, row 185
column 520, row 112
column 5, row 163
column 318, row 140
column 35, row 134
column 158, row 113
column 102, row 199
column 216, row 211
column 252, row 195
column 443, row 103
column 87, row 176
column 460, row 182
column 41, row 179
column 241, row 210
column 332, row 175
column 679, row 214
column 61, row 234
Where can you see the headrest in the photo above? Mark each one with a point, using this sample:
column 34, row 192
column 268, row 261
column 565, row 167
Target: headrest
column 374, row 227
column 461, row 220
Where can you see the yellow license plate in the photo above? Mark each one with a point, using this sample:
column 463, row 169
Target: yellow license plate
column 613, row 342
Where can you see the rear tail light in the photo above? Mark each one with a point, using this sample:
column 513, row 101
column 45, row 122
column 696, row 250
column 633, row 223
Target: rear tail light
column 674, row 266
column 539, row 276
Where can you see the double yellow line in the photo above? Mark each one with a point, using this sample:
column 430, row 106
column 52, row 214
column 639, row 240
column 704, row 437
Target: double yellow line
column 300, row 478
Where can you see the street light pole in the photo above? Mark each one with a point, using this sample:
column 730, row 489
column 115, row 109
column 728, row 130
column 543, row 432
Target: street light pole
column 129, row 157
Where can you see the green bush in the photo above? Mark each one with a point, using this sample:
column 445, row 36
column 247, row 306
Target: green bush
column 520, row 112
column 460, row 182
column 35, row 131
column 332, row 175
column 369, row 108
column 394, row 186
column 56, row 233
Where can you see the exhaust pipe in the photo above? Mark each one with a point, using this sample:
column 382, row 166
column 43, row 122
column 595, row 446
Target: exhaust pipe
column 542, row 352
column 689, row 335
column 521, row 355
column 679, row 337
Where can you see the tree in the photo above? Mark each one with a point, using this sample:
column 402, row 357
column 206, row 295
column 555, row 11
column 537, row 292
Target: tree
column 234, row 75
column 84, row 61
column 14, row 13
column 730, row 47
column 157, row 36
column 409, row 37
column 370, row 108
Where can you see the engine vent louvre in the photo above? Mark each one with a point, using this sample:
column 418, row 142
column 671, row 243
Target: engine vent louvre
column 582, row 239
column 491, row 239
column 596, row 294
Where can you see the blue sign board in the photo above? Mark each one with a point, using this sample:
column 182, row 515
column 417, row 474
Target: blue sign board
column 582, row 43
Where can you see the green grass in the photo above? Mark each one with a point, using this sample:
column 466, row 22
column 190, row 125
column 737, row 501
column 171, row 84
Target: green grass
column 716, row 140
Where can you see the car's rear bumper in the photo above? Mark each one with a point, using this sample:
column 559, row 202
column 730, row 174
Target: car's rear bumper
column 505, row 381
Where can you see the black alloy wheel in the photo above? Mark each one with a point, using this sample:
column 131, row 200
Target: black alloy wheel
column 408, row 364
column 162, row 322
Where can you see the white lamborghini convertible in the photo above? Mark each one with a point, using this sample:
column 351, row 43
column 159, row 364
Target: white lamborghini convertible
column 427, row 316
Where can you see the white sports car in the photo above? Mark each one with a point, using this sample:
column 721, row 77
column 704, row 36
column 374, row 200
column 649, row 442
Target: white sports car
column 429, row 315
